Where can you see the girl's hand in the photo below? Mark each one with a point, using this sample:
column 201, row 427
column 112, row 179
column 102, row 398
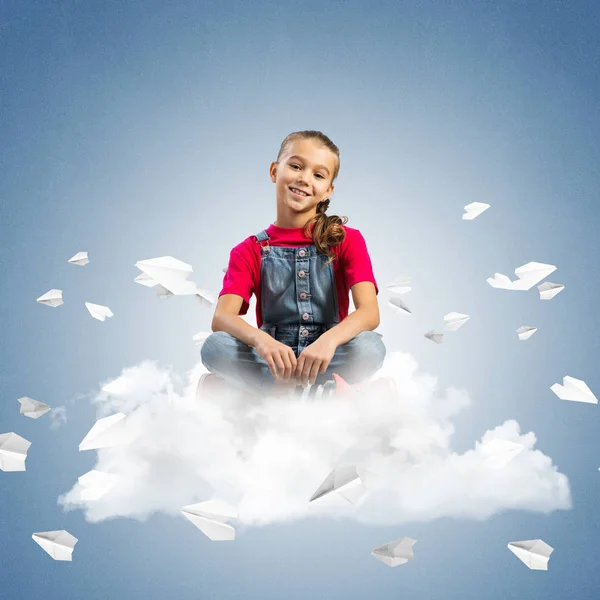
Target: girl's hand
column 277, row 354
column 314, row 359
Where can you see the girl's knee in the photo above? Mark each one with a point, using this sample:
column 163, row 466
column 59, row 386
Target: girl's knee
column 370, row 347
column 215, row 347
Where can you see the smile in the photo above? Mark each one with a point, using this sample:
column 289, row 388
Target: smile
column 298, row 193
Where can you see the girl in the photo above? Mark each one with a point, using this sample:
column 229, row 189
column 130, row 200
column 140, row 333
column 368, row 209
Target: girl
column 301, row 268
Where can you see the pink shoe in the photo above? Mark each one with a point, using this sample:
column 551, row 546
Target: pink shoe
column 384, row 385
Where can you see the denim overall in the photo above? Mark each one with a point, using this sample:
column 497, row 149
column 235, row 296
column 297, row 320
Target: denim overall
column 298, row 301
column 298, row 297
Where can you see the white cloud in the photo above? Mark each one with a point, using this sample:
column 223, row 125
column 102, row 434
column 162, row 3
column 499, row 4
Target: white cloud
column 58, row 417
column 268, row 457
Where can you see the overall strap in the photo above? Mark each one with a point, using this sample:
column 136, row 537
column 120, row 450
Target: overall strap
column 261, row 237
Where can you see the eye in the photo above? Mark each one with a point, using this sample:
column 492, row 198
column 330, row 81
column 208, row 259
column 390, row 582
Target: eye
column 295, row 165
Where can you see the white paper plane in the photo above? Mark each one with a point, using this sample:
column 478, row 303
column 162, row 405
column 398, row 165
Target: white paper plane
column 398, row 305
column 528, row 275
column 51, row 298
column 96, row 484
column 98, row 311
column 13, row 452
column 455, row 320
column 498, row 453
column 32, row 408
column 81, row 259
column 395, row 553
column 58, row 544
column 434, row 336
column 534, row 553
column 474, row 209
column 211, row 518
column 200, row 337
column 525, row 332
column 170, row 273
column 107, row 432
column 145, row 280
column 400, row 286
column 204, row 297
column 345, row 482
column 548, row 290
column 575, row 390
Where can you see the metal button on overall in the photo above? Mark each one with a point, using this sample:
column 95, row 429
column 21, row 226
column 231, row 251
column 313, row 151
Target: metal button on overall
column 303, row 295
column 305, row 316
column 302, row 253
column 305, row 332
column 301, row 273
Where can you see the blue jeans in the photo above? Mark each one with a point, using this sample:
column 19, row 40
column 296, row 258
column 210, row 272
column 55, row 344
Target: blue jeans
column 242, row 366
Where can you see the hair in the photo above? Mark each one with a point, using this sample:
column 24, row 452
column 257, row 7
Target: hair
column 327, row 231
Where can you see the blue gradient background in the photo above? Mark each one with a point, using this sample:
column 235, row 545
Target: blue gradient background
column 141, row 129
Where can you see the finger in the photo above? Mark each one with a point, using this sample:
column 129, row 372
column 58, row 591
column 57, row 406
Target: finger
column 306, row 370
column 314, row 371
column 280, row 365
column 285, row 357
column 271, row 366
column 299, row 367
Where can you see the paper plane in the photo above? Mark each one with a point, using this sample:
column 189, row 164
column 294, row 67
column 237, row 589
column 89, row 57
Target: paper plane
column 534, row 553
column 525, row 332
column 400, row 286
column 395, row 553
column 98, row 311
column 498, row 453
column 143, row 279
column 548, row 290
column 455, row 320
column 32, row 408
column 211, row 518
column 574, row 389
column 81, row 259
column 200, row 337
column 170, row 273
column 117, row 387
column 107, row 432
column 52, row 298
column 473, row 210
column 96, row 484
column 58, row 544
column 398, row 305
column 204, row 297
column 434, row 336
column 345, row 482
column 13, row 452
column 528, row 275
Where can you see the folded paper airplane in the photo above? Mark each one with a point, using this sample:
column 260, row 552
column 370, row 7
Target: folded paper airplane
column 455, row 320
column 575, row 390
column 32, row 408
column 395, row 553
column 13, row 452
column 345, row 482
column 548, row 290
column 525, row 332
column 98, row 311
column 107, row 432
column 211, row 517
column 527, row 276
column 58, row 544
column 51, row 298
column 171, row 274
column 473, row 210
column 81, row 259
column 534, row 553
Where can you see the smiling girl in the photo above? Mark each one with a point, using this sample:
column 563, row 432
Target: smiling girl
column 302, row 269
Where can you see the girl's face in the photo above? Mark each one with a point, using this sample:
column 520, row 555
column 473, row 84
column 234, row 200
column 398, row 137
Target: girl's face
column 309, row 167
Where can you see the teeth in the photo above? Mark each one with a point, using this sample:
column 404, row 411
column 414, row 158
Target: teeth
column 299, row 192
